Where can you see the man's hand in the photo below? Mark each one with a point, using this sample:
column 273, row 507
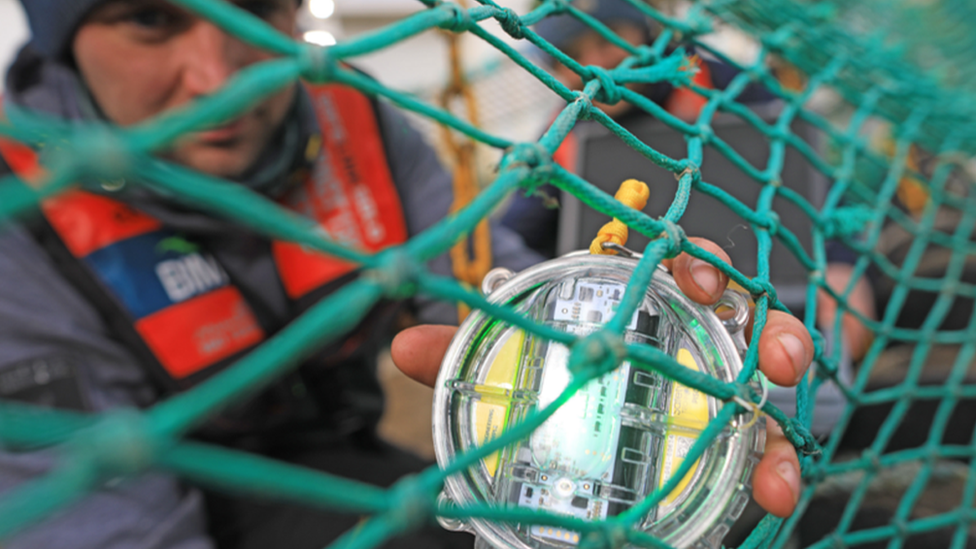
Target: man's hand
column 785, row 353
column 861, row 299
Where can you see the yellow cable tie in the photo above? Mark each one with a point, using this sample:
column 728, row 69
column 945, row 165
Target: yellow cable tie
column 632, row 193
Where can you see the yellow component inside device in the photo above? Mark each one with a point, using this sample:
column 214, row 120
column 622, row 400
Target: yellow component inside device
column 490, row 415
column 688, row 413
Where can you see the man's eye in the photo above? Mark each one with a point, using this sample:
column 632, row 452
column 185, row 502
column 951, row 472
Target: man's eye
column 260, row 8
column 152, row 18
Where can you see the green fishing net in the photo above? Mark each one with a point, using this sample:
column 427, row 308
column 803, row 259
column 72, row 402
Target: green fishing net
column 894, row 145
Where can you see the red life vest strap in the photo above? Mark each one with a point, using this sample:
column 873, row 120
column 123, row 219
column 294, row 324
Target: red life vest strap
column 351, row 193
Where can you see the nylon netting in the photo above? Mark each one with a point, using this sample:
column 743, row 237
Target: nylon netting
column 917, row 88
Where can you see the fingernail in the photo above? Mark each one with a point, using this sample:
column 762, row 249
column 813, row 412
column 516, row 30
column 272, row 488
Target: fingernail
column 706, row 277
column 788, row 472
column 794, row 349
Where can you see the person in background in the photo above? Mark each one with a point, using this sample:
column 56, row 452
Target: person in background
column 536, row 217
column 124, row 297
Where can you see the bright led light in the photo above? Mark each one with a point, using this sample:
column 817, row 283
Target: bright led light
column 322, row 9
column 320, row 37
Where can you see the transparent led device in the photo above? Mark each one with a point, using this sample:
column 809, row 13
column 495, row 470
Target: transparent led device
column 620, row 437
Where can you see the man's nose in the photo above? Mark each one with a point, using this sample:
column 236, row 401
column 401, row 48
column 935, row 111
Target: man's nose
column 211, row 57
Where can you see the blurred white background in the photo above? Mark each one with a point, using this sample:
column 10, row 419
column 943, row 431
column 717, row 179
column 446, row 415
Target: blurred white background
column 13, row 32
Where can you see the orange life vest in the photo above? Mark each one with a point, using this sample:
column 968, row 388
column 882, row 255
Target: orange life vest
column 178, row 305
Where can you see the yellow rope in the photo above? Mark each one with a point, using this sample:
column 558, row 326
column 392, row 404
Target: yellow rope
column 912, row 192
column 471, row 259
column 631, row 193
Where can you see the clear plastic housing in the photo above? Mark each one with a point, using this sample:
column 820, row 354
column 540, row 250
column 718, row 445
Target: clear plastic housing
column 619, row 438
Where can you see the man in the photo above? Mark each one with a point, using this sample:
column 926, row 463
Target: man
column 533, row 217
column 536, row 220
column 108, row 282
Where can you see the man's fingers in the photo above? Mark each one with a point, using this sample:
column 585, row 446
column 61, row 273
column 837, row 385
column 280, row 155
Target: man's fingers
column 700, row 281
column 785, row 353
column 785, row 348
column 418, row 351
column 776, row 480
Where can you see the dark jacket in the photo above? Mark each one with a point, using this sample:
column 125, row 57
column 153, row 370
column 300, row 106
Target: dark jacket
column 48, row 327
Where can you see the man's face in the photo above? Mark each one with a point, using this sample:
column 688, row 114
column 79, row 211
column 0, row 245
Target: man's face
column 593, row 49
column 140, row 58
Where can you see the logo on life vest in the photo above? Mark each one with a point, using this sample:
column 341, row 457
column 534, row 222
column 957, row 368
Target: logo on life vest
column 190, row 275
column 176, row 244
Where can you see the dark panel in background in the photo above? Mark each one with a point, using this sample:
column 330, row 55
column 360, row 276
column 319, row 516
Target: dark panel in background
column 606, row 161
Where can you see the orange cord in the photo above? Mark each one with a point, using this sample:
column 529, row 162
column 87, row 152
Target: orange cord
column 632, row 193
column 471, row 259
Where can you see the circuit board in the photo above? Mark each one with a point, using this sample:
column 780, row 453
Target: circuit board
column 586, row 461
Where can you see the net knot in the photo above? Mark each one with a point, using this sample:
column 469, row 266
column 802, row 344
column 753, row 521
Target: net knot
column 97, row 154
column 609, row 536
column 560, row 6
column 823, row 12
column 318, row 65
column 802, row 440
column 837, row 541
column 901, row 527
column 646, row 54
column 596, row 354
column 412, row 502
column 697, row 24
column 675, row 236
column 118, row 444
column 460, row 19
column 767, row 289
column 845, row 222
column 780, row 39
column 819, row 344
column 769, row 221
column 609, row 92
column 587, row 104
column 692, row 170
column 705, row 132
column 816, row 474
column 396, row 274
column 872, row 459
column 511, row 22
column 533, row 156
column 676, row 68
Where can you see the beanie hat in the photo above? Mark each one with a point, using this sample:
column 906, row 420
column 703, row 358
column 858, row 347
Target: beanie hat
column 54, row 22
column 561, row 30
